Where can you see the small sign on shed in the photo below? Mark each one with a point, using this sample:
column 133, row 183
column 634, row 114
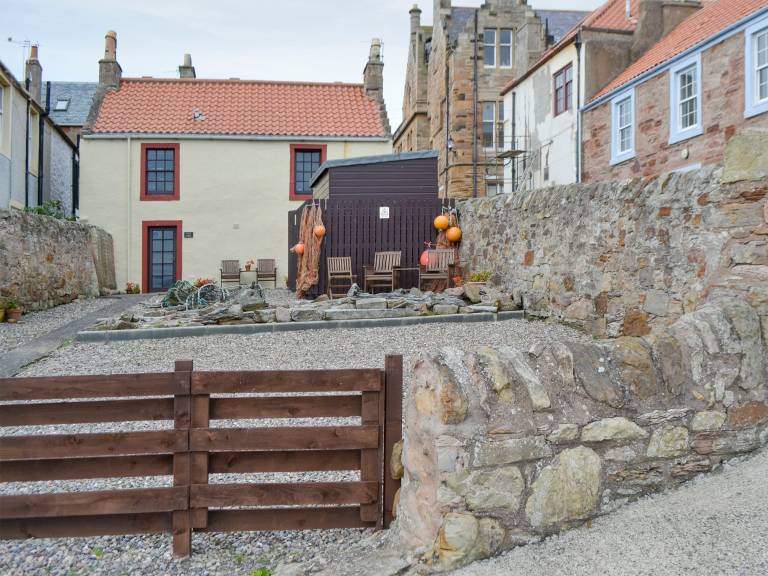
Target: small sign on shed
column 384, row 212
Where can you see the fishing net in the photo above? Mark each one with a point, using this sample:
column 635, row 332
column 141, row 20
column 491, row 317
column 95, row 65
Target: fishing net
column 308, row 264
column 184, row 293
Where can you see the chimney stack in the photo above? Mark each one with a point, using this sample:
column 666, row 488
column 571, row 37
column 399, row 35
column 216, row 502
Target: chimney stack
column 415, row 13
column 34, row 74
column 373, row 80
column 186, row 70
column 656, row 18
column 110, row 71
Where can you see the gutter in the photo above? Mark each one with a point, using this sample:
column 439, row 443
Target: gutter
column 246, row 137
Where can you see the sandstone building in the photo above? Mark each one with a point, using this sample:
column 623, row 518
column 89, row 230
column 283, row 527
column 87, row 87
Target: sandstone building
column 456, row 70
column 678, row 106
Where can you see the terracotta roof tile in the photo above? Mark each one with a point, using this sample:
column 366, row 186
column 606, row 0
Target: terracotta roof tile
column 713, row 18
column 239, row 107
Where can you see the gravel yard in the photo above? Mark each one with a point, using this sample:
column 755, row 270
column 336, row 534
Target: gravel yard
column 236, row 553
column 36, row 324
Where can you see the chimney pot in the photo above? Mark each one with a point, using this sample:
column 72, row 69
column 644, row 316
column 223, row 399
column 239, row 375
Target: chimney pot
column 186, row 70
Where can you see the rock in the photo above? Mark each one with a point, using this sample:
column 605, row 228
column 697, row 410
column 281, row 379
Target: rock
column 746, row 157
column 415, row 292
column 579, row 310
column 613, row 429
column 451, row 454
column 484, row 490
column 306, row 314
column 457, row 537
column 494, row 451
column 371, row 304
column 746, row 324
column 636, row 323
column 483, row 308
column 442, row 309
column 690, row 467
column 563, row 434
column 566, row 490
column 128, row 317
column 264, row 316
column 472, row 292
column 321, row 298
column 590, row 366
column 661, row 416
column 283, row 314
column 656, row 302
column 396, row 460
column 453, row 401
column 747, row 415
column 719, row 443
column 707, row 421
column 395, row 503
column 353, row 291
column 621, row 454
column 668, row 442
column 522, row 373
column 635, row 366
column 251, row 299
column 458, row 291
column 345, row 314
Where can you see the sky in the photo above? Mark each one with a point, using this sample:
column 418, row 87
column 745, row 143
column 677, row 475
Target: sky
column 310, row 40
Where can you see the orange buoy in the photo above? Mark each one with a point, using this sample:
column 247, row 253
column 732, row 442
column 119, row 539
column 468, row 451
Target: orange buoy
column 424, row 258
column 299, row 248
column 453, row 234
column 319, row 231
column 441, row 222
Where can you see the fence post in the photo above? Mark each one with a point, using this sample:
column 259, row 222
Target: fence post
column 370, row 468
column 393, row 428
column 181, row 524
column 199, row 460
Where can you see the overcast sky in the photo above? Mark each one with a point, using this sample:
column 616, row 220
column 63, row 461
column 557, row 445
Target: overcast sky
column 313, row 40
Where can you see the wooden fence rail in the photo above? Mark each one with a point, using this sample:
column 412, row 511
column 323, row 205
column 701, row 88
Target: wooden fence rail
column 194, row 449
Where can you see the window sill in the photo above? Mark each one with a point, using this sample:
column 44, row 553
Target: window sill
column 686, row 134
column 756, row 109
column 159, row 197
column 616, row 160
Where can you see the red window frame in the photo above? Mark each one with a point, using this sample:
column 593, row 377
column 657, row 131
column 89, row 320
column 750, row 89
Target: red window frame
column 145, row 226
column 301, row 147
column 567, row 89
column 143, row 196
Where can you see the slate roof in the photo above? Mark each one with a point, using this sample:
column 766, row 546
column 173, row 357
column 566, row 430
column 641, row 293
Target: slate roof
column 240, row 108
column 559, row 22
column 713, row 18
column 378, row 159
column 79, row 94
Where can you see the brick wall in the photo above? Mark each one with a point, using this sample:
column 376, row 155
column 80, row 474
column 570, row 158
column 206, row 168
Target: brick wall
column 723, row 117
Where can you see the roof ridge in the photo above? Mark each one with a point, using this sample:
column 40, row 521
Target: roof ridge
column 237, row 81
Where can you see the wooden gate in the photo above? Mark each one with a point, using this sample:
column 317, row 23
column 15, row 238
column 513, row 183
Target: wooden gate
column 355, row 228
column 196, row 447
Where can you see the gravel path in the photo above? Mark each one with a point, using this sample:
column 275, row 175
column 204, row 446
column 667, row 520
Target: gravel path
column 236, row 553
column 36, row 324
column 716, row 524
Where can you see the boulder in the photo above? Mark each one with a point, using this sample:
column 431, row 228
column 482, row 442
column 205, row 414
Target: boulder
column 251, row 299
column 443, row 309
column 306, row 314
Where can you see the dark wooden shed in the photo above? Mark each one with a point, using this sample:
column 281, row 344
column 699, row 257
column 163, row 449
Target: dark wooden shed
column 373, row 204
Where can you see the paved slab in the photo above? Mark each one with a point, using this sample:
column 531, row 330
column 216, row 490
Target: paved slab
column 13, row 361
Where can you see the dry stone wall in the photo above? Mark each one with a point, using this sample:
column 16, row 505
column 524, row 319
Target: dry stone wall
column 45, row 261
column 504, row 447
column 621, row 258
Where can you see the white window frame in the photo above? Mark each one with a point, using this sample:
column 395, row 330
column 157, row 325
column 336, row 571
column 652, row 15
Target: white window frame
column 486, row 45
column 618, row 156
column 494, row 122
column 753, row 106
column 676, row 133
column 64, row 108
column 509, row 46
column 2, row 113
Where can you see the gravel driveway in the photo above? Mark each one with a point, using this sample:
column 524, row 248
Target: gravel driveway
column 236, row 553
column 715, row 524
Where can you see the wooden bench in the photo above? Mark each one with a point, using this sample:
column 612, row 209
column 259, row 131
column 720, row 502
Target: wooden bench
column 382, row 273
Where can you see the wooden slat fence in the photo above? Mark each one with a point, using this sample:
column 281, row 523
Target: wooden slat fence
column 355, row 229
column 194, row 449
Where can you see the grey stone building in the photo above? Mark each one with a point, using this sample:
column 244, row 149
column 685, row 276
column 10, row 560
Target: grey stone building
column 38, row 160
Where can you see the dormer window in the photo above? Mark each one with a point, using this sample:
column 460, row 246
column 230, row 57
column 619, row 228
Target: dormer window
column 61, row 105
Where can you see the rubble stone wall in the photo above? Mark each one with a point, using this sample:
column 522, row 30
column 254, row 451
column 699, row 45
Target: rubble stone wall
column 621, row 258
column 503, row 447
column 45, row 261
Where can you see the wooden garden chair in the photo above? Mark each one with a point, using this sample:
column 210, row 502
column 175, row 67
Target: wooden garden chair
column 438, row 268
column 230, row 271
column 339, row 275
column 266, row 270
column 382, row 273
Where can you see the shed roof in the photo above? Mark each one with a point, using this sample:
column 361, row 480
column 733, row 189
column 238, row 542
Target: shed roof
column 379, row 159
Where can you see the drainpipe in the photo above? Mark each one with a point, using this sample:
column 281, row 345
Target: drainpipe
column 41, row 143
column 448, row 53
column 474, row 116
column 577, row 43
column 26, row 154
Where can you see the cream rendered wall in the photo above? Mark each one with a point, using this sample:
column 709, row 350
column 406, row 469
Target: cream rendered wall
column 553, row 137
column 234, row 198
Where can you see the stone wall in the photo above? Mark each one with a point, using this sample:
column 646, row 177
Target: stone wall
column 624, row 257
column 45, row 261
column 504, row 447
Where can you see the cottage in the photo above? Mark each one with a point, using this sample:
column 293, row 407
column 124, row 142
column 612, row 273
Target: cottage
column 544, row 103
column 456, row 70
column 187, row 172
column 677, row 106
column 38, row 161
